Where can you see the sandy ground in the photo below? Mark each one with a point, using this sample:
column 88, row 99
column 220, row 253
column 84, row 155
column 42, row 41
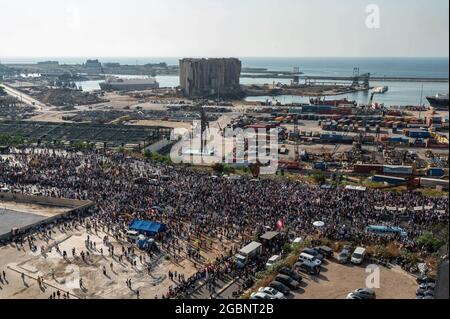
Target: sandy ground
column 68, row 272
column 336, row 281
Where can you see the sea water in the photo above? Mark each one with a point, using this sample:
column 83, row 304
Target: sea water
column 400, row 93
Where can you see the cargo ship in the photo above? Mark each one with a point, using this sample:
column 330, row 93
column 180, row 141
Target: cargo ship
column 120, row 84
column 319, row 101
column 439, row 101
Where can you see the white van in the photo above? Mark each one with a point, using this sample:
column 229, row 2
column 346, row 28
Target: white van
column 309, row 258
column 4, row 189
column 132, row 235
column 272, row 260
column 358, row 255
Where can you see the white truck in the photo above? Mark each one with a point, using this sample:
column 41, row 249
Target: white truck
column 247, row 253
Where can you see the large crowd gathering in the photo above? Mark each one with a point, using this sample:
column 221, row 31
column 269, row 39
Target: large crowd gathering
column 195, row 204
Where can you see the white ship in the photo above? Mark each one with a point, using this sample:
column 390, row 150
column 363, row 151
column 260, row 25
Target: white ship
column 381, row 89
column 121, row 84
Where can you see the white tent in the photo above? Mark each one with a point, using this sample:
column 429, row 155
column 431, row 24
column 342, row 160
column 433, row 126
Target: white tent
column 319, row 224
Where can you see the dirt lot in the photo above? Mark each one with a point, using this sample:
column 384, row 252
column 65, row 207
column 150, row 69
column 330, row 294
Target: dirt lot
column 336, row 281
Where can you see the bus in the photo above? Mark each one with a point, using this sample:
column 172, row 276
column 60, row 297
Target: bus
column 381, row 230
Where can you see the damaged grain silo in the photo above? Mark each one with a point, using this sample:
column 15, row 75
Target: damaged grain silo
column 210, row 77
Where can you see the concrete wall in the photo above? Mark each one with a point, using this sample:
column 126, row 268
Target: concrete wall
column 75, row 207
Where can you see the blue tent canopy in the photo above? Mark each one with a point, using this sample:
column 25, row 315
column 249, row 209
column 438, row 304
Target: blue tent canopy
column 147, row 227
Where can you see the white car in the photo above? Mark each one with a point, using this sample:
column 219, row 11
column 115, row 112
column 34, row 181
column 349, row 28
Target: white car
column 260, row 295
column 275, row 294
column 272, row 260
column 309, row 258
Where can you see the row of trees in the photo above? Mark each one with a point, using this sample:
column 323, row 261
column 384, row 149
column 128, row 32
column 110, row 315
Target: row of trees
column 9, row 140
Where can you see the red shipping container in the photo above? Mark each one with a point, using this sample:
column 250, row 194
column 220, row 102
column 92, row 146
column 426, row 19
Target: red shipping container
column 367, row 168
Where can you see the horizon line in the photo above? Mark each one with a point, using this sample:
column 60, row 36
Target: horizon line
column 242, row 56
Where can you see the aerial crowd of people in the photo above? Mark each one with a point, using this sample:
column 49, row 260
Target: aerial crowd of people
column 195, row 204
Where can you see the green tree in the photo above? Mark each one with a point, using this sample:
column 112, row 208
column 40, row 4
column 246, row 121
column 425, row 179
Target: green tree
column 430, row 242
column 218, row 168
column 319, row 178
column 10, row 140
column 147, row 154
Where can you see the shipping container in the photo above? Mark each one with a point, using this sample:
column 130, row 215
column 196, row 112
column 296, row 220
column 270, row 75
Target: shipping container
column 398, row 140
column 367, row 168
column 433, row 183
column 320, row 165
column 391, row 180
column 435, row 172
column 397, row 170
column 336, row 138
column 418, row 134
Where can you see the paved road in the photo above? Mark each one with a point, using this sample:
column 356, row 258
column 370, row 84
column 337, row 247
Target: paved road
column 25, row 98
column 442, row 284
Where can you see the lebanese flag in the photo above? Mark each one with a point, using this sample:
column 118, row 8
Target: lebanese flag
column 280, row 224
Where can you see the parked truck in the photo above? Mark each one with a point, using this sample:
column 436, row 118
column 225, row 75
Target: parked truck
column 248, row 253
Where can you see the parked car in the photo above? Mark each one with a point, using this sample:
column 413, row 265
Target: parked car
column 313, row 252
column 425, row 297
column 307, row 267
column 358, row 255
column 363, row 293
column 354, row 296
column 288, row 281
column 248, row 283
column 278, row 286
column 132, row 235
column 260, row 295
column 325, row 251
column 424, row 292
column 344, row 255
column 428, row 286
column 309, row 258
column 425, row 279
column 291, row 273
column 275, row 294
column 272, row 260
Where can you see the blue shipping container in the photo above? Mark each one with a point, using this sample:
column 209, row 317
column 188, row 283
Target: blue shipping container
column 388, row 179
column 398, row 170
column 435, row 172
column 320, row 165
column 419, row 134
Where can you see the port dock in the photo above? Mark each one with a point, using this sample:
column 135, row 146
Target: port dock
column 309, row 78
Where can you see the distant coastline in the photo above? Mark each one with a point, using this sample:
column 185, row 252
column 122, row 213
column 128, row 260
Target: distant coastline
column 423, row 67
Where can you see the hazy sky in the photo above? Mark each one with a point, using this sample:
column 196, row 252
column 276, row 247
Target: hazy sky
column 223, row 28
